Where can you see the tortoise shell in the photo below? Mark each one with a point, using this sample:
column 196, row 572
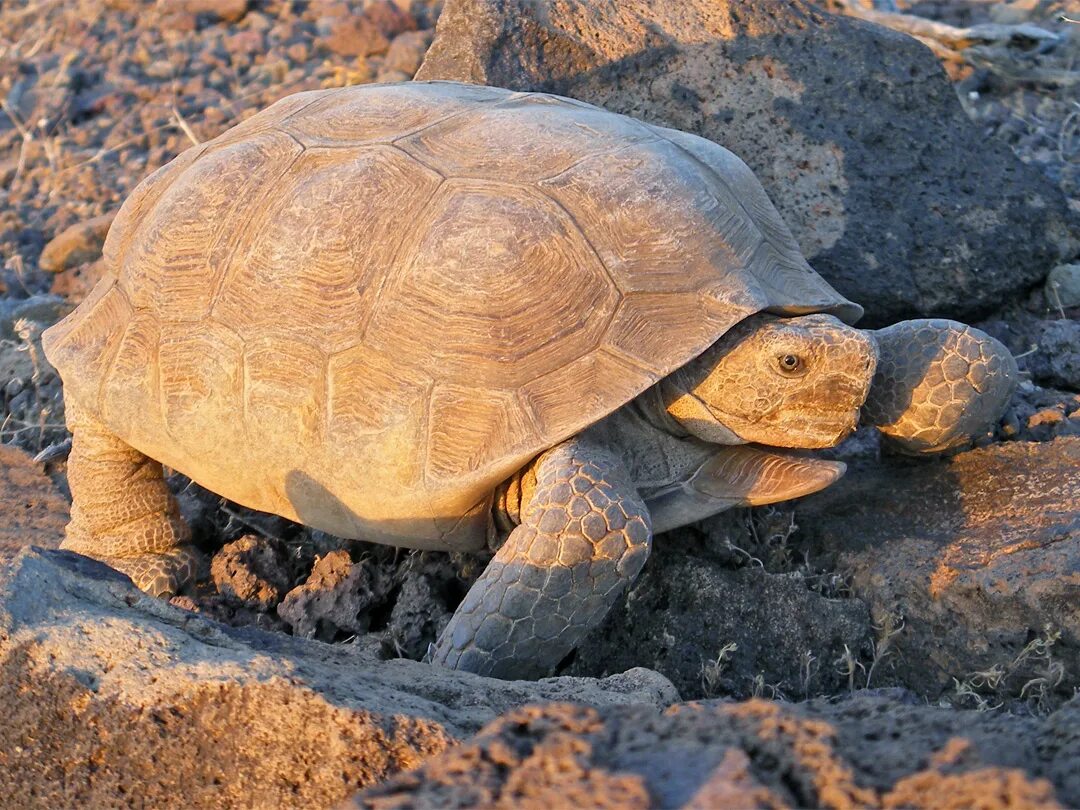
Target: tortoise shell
column 364, row 308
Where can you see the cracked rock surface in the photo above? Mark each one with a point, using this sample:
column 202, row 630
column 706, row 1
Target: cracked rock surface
column 109, row 694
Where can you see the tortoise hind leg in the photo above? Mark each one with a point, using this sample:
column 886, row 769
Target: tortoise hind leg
column 122, row 512
column 584, row 536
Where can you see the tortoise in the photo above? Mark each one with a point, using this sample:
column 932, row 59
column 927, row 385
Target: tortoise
column 440, row 316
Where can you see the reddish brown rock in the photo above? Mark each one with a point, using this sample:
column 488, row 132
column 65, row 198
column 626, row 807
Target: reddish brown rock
column 406, row 53
column 253, row 571
column 79, row 244
column 356, row 36
column 244, row 43
column 389, row 17
column 980, row 556
column 225, row 10
column 75, row 283
column 755, row 754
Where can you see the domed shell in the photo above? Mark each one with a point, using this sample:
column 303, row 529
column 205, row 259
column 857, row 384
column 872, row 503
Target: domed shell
column 364, row 308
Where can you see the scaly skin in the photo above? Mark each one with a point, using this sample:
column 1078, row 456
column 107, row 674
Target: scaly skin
column 938, row 384
column 123, row 513
column 584, row 537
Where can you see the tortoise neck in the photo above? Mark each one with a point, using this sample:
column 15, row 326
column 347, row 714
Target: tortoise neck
column 651, row 406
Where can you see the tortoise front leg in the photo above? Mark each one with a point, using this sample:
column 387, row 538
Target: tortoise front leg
column 122, row 513
column 584, row 536
column 938, row 384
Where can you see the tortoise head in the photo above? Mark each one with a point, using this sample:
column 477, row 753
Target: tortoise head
column 785, row 382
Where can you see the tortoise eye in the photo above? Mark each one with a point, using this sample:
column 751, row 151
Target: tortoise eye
column 791, row 364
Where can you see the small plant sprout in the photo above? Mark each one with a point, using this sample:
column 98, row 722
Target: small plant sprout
column 847, row 665
column 760, row 689
column 892, row 624
column 1035, row 663
column 807, row 670
column 712, row 671
column 963, row 691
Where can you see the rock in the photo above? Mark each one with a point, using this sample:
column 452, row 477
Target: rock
column 389, row 17
column 977, row 557
column 1057, row 361
column 686, row 610
column 355, row 36
column 110, row 694
column 390, row 76
column 75, row 283
column 1028, row 417
column 406, row 52
column 1063, row 286
column 336, row 598
column 243, row 44
column 422, row 608
column 870, row 751
column 79, row 244
column 889, row 198
column 253, row 571
column 224, row 10
column 40, row 309
column 32, row 511
column 1047, row 350
column 31, row 402
column 425, row 12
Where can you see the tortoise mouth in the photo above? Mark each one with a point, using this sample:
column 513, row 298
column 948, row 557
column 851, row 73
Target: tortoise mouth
column 810, row 428
column 833, row 428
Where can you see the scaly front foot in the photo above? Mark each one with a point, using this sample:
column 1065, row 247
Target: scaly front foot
column 938, row 384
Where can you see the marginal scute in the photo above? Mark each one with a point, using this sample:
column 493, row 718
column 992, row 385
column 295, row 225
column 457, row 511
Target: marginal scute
column 88, row 344
column 54, row 340
column 778, row 263
column 129, row 394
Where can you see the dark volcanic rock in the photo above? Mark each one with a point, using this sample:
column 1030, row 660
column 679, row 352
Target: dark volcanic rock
column 854, row 130
column 980, row 556
column 1057, row 360
column 336, row 598
column 41, row 309
column 1047, row 349
column 686, row 610
column 112, row 699
column 31, row 405
column 870, row 751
